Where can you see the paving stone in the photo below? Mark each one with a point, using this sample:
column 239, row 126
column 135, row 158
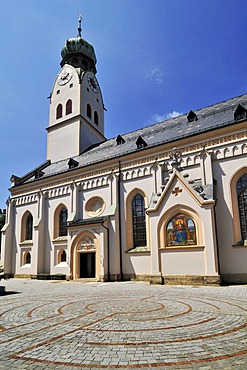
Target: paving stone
column 72, row 325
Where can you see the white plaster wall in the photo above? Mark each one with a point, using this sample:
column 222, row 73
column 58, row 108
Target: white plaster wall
column 20, row 268
column 182, row 262
column 232, row 259
column 138, row 263
column 63, row 141
column 96, row 102
column 51, row 247
column 66, row 93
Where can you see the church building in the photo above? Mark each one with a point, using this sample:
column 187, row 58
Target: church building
column 166, row 203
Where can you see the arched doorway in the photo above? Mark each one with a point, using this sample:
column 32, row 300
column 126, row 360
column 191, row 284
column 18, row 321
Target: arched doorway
column 85, row 258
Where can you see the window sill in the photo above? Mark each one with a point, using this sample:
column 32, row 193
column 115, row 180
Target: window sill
column 61, row 264
column 182, row 247
column 138, row 250
column 26, row 242
column 60, row 239
column 240, row 244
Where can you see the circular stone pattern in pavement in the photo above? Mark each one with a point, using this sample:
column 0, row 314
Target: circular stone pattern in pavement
column 122, row 325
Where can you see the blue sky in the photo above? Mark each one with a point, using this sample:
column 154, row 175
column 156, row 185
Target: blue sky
column 156, row 58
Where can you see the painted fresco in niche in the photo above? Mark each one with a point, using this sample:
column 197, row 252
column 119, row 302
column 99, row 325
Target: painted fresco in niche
column 180, row 231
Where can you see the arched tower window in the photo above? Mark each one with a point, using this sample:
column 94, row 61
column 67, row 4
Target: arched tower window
column 139, row 221
column 241, row 188
column 63, row 222
column 29, row 227
column 89, row 111
column 180, row 230
column 96, row 118
column 59, row 111
column 69, row 107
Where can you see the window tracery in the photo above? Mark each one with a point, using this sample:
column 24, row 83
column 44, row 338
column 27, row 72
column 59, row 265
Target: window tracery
column 63, row 222
column 139, row 221
column 29, row 227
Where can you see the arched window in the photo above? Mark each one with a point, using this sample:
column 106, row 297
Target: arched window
column 89, row 111
column 139, row 221
column 241, row 188
column 59, row 112
column 27, row 258
column 69, row 107
column 180, row 230
column 63, row 256
column 63, row 222
column 29, row 227
column 96, row 118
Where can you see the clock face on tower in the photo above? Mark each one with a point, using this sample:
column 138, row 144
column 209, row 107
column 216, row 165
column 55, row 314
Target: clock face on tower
column 92, row 83
column 64, row 76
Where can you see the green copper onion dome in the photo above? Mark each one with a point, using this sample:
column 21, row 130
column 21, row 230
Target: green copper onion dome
column 79, row 53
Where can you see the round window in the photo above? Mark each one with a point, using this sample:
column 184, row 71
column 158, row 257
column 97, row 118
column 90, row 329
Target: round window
column 95, row 206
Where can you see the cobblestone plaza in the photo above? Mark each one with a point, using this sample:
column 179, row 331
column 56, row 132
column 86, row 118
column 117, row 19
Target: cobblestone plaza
column 72, row 325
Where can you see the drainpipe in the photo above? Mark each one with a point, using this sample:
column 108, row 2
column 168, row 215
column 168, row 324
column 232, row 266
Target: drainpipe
column 119, row 220
column 108, row 251
column 216, row 236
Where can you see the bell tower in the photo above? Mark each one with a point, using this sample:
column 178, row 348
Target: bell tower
column 76, row 119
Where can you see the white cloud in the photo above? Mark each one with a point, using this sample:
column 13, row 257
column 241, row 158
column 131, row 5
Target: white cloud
column 156, row 75
column 173, row 114
column 163, row 117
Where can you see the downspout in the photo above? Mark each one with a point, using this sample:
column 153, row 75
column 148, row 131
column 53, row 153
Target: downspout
column 217, row 240
column 108, row 251
column 119, row 221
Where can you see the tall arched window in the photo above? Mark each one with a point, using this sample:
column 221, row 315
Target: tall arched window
column 96, row 118
column 29, row 227
column 242, row 204
column 63, row 222
column 59, row 111
column 139, row 221
column 89, row 111
column 69, row 107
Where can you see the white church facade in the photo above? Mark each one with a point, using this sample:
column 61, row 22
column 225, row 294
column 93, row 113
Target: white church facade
column 165, row 204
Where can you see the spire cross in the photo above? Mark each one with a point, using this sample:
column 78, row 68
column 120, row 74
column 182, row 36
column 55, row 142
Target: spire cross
column 79, row 26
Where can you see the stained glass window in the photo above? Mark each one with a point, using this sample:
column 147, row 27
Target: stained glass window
column 29, row 227
column 139, row 221
column 63, row 222
column 180, row 230
column 242, row 204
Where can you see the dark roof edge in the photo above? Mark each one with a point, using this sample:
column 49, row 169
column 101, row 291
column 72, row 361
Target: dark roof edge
column 19, row 180
column 88, row 221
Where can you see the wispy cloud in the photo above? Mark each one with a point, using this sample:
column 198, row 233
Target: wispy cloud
column 156, row 75
column 163, row 117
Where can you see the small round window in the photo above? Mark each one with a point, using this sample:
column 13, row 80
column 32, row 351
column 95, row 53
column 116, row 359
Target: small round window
column 95, row 206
